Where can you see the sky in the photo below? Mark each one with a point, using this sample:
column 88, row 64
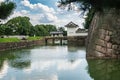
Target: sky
column 46, row 12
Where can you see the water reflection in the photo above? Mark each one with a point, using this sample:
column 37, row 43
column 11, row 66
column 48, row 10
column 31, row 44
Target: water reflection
column 104, row 69
column 3, row 69
column 21, row 59
column 55, row 63
column 15, row 59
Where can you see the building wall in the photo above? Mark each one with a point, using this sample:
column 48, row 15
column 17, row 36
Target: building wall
column 81, row 34
column 72, row 32
column 18, row 36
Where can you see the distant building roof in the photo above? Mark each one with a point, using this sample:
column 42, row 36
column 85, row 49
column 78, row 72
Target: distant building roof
column 56, row 32
column 71, row 25
column 79, row 30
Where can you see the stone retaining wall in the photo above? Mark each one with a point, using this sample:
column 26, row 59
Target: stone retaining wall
column 22, row 44
column 104, row 36
column 77, row 40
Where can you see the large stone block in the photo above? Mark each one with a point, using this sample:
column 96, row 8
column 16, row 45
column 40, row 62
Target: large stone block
column 98, row 48
column 101, row 42
column 103, row 50
column 110, row 33
column 102, row 36
column 107, row 38
column 109, row 45
column 102, row 31
column 99, row 54
column 107, row 33
column 109, row 52
column 114, row 46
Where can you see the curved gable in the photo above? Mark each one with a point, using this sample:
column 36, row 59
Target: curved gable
column 71, row 25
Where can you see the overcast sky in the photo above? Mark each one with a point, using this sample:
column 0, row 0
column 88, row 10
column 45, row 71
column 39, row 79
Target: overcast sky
column 46, row 12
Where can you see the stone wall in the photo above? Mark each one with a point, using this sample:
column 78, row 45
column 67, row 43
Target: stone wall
column 22, row 44
column 77, row 40
column 104, row 35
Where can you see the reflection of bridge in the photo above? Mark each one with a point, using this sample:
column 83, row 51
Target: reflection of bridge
column 72, row 40
column 55, row 38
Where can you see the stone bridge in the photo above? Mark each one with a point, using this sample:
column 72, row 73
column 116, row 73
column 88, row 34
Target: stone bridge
column 71, row 40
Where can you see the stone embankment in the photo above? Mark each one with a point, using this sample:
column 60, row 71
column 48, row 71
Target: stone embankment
column 18, row 45
column 104, row 35
column 77, row 40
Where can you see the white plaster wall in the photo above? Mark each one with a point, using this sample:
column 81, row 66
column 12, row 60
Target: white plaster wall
column 72, row 32
column 81, row 34
column 18, row 36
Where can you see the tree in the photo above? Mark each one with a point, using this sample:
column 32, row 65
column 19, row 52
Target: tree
column 62, row 29
column 20, row 25
column 50, row 28
column 40, row 30
column 44, row 30
column 98, row 5
column 91, row 6
column 2, row 29
column 6, row 9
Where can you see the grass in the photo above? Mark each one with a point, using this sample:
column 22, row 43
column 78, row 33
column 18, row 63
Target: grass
column 2, row 40
column 34, row 38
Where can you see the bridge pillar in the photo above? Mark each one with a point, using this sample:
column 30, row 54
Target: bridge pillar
column 61, row 41
column 45, row 41
column 53, row 41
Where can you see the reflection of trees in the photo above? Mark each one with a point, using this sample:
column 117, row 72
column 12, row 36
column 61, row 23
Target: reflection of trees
column 1, row 64
column 72, row 49
column 75, row 48
column 20, row 64
column 5, row 56
column 104, row 69
column 72, row 57
column 17, row 59
column 21, row 59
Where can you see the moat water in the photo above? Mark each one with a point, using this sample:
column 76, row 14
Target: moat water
column 55, row 63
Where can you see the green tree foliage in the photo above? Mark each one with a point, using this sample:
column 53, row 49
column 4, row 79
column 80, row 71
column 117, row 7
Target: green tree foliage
column 2, row 29
column 44, row 30
column 20, row 25
column 91, row 6
column 98, row 5
column 89, row 18
column 40, row 30
column 6, row 9
column 5, row 30
column 51, row 28
column 63, row 30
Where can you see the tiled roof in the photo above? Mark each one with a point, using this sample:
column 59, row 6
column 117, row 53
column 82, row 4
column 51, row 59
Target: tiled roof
column 79, row 30
column 71, row 25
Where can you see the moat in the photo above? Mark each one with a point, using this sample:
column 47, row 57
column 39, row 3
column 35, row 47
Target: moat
column 55, row 63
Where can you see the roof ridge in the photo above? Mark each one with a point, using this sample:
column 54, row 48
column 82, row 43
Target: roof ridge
column 71, row 24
